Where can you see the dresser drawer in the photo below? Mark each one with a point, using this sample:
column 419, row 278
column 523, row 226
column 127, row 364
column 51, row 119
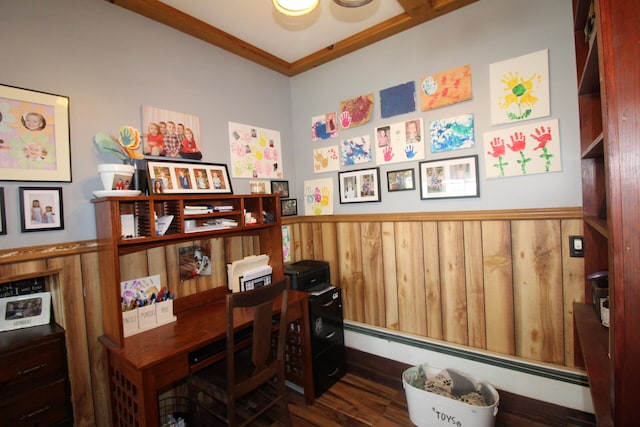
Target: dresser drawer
column 30, row 367
column 43, row 406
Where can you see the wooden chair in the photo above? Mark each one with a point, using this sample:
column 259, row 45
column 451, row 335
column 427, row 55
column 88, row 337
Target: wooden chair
column 251, row 379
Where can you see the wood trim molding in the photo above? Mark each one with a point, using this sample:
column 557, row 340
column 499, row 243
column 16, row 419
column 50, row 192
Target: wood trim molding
column 509, row 214
column 33, row 253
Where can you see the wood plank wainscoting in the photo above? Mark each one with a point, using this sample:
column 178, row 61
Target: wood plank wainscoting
column 500, row 281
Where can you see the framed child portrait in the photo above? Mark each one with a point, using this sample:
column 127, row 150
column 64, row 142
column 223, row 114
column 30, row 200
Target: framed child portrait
column 401, row 180
column 24, row 311
column 41, row 208
column 288, row 207
column 280, row 187
column 36, row 138
column 449, row 178
column 359, row 186
column 188, row 178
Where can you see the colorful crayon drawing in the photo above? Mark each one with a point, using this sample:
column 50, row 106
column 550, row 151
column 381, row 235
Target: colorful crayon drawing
column 523, row 150
column 356, row 111
column 324, row 127
column 519, row 88
column 445, row 88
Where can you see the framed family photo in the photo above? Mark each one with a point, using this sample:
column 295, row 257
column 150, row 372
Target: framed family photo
column 35, row 136
column 359, row 186
column 170, row 135
column 24, row 311
column 288, row 207
column 280, row 187
column 401, row 180
column 167, row 177
column 41, row 208
column 3, row 220
column 449, row 178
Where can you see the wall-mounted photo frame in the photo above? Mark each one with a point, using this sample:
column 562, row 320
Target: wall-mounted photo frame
column 259, row 187
column 449, row 178
column 167, row 177
column 357, row 186
column 24, row 311
column 37, row 139
column 401, row 180
column 288, row 207
column 281, row 188
column 41, row 208
column 3, row 213
column 170, row 135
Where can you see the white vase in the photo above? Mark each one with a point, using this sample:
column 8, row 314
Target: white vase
column 116, row 176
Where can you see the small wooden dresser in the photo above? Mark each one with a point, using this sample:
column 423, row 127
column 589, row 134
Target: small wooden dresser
column 34, row 384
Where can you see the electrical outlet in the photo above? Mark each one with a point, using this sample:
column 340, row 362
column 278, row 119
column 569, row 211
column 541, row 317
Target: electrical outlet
column 576, row 246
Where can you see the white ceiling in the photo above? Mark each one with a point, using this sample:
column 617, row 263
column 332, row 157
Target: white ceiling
column 288, row 38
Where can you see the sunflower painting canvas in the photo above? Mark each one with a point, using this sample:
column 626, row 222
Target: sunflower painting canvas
column 520, row 88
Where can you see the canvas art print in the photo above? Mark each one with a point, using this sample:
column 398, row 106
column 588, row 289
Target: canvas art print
column 194, row 262
column 400, row 142
column 445, row 88
column 523, row 150
column 170, row 134
column 519, row 88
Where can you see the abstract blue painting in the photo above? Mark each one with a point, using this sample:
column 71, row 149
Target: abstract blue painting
column 452, row 133
column 397, row 100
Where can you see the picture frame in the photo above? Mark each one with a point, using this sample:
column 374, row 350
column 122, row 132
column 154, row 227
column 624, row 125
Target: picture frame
column 3, row 213
column 38, row 141
column 401, row 180
column 158, row 121
column 449, row 178
column 358, row 186
column 167, row 177
column 281, row 188
column 288, row 207
column 259, row 187
column 41, row 209
column 24, row 311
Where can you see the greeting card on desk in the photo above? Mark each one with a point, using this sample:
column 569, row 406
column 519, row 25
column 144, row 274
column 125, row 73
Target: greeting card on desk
column 143, row 288
column 240, row 267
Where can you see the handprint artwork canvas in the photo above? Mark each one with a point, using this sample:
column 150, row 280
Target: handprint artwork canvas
column 255, row 152
column 523, row 150
column 326, row 159
column 400, row 142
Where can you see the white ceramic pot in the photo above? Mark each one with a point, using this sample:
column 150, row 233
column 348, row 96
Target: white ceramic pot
column 116, row 176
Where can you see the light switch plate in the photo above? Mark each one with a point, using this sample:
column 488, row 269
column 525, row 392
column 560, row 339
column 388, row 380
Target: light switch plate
column 576, row 246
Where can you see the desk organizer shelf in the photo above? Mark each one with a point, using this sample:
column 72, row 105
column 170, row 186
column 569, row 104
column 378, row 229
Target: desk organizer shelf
column 145, row 318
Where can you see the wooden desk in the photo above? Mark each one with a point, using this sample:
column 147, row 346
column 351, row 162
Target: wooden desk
column 158, row 358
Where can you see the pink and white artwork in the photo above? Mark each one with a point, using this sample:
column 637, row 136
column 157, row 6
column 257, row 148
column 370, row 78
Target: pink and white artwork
column 255, row 152
column 324, row 127
column 400, row 142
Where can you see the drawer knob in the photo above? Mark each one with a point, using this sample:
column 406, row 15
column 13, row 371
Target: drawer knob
column 28, row 371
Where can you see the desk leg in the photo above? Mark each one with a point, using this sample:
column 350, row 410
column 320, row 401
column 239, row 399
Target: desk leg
column 307, row 355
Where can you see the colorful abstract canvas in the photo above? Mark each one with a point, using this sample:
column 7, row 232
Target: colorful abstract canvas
column 519, row 88
column 398, row 100
column 453, row 133
column 356, row 111
column 318, row 197
column 445, row 88
column 356, row 150
column 326, row 159
column 525, row 149
column 400, row 142
column 324, row 127
column 255, row 152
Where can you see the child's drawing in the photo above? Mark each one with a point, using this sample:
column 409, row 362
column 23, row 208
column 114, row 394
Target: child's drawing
column 326, row 159
column 452, row 133
column 523, row 150
column 356, row 150
column 400, row 142
column 445, row 88
column 397, row 100
column 356, row 111
column 519, row 88
column 324, row 127
column 318, row 197
column 255, row 152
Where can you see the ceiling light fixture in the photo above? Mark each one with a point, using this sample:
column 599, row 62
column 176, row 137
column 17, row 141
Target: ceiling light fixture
column 295, row 7
column 352, row 3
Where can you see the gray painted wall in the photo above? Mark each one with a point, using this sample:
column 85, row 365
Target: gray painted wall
column 483, row 33
column 110, row 62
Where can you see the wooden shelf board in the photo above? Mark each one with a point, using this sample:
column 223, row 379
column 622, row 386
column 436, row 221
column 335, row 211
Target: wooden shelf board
column 594, row 343
column 600, row 225
column 595, row 150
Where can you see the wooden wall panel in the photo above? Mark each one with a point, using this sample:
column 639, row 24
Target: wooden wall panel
column 410, row 276
column 329, row 250
column 453, row 282
column 373, row 281
column 498, row 286
column 389, row 278
column 433, row 291
column 573, row 288
column 538, row 290
column 350, row 268
column 475, row 284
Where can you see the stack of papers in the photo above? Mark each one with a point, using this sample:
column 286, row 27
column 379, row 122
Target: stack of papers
column 197, row 210
column 248, row 268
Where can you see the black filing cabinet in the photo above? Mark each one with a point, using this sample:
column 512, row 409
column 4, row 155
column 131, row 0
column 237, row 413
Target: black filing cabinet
column 327, row 338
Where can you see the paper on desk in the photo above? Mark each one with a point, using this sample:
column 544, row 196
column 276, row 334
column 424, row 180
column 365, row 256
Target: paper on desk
column 240, row 267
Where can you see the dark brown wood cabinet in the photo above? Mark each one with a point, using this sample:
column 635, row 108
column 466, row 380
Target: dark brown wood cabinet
column 607, row 41
column 34, row 387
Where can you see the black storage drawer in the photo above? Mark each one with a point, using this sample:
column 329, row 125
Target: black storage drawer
column 325, row 312
column 328, row 368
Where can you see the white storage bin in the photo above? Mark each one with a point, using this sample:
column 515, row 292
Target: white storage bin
column 427, row 409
